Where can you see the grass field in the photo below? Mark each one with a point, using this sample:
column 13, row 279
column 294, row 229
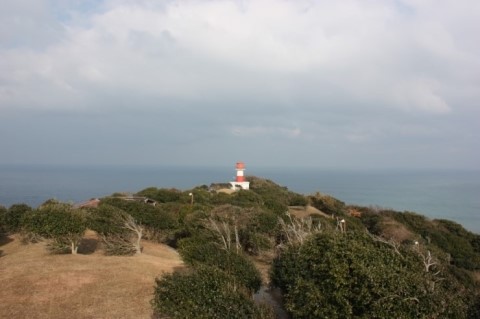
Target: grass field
column 35, row 284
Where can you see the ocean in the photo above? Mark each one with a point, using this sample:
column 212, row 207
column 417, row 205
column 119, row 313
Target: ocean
column 446, row 194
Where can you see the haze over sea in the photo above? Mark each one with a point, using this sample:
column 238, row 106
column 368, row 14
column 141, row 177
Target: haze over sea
column 438, row 194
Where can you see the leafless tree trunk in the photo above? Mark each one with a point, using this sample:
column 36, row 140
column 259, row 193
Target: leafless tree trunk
column 428, row 260
column 237, row 239
column 74, row 247
column 225, row 234
column 390, row 242
column 130, row 224
column 341, row 225
column 297, row 230
column 431, row 266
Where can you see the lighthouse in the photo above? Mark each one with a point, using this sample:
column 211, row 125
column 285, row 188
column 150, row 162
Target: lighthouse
column 240, row 182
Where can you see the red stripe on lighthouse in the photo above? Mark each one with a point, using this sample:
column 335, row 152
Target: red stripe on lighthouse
column 240, row 167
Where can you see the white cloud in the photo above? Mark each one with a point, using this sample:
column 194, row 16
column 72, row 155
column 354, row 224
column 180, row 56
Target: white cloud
column 335, row 69
column 371, row 51
column 420, row 94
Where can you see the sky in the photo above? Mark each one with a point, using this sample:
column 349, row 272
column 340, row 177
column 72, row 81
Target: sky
column 351, row 84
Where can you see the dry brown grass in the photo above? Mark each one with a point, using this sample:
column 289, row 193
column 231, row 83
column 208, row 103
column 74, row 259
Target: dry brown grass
column 306, row 211
column 476, row 276
column 392, row 229
column 228, row 191
column 35, row 284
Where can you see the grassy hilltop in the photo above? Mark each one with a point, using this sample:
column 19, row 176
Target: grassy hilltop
column 204, row 252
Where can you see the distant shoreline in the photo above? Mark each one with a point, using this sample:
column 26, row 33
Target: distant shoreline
column 437, row 194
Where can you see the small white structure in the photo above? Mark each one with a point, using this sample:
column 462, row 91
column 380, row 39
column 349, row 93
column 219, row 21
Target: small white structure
column 240, row 182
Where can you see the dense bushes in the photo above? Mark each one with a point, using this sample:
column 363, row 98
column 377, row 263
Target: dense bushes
column 197, row 251
column 221, row 279
column 327, row 204
column 14, row 215
column 3, row 214
column 244, row 198
column 259, row 233
column 344, row 276
column 449, row 236
column 159, row 222
column 120, row 233
column 161, row 195
column 215, row 242
column 330, row 275
column 275, row 198
column 373, row 222
column 204, row 292
column 106, row 220
column 60, row 223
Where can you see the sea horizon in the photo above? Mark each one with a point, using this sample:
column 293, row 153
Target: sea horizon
column 436, row 193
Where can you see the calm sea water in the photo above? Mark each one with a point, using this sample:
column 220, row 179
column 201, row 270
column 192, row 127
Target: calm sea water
column 453, row 195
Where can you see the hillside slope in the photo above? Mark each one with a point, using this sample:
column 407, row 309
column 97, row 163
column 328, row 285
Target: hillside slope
column 36, row 284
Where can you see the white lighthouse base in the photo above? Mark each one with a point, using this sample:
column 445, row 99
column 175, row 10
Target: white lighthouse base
column 239, row 185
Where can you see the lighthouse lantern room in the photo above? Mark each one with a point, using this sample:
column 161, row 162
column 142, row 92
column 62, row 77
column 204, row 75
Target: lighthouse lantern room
column 240, row 182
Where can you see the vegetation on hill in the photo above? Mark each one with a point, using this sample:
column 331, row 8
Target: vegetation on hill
column 120, row 232
column 204, row 292
column 61, row 223
column 354, row 275
column 12, row 217
column 340, row 262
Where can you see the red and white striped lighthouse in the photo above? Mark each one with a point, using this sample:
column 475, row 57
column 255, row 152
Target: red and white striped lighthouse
column 240, row 167
column 240, row 182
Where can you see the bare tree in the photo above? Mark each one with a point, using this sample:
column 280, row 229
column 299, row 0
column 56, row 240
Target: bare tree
column 127, row 242
column 432, row 265
column 390, row 242
column 225, row 234
column 297, row 230
column 428, row 260
column 131, row 224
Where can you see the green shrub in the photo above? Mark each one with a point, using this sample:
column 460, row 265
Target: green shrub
column 297, row 200
column 475, row 242
column 276, row 207
column 197, row 251
column 106, row 220
column 328, row 204
column 245, row 198
column 276, row 198
column 14, row 215
column 259, row 232
column 449, row 236
column 263, row 222
column 160, row 222
column 205, row 292
column 3, row 214
column 415, row 222
column 373, row 222
column 60, row 223
column 336, row 275
column 201, row 195
column 462, row 253
column 253, row 242
column 161, row 195
column 111, row 224
column 221, row 199
column 192, row 224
